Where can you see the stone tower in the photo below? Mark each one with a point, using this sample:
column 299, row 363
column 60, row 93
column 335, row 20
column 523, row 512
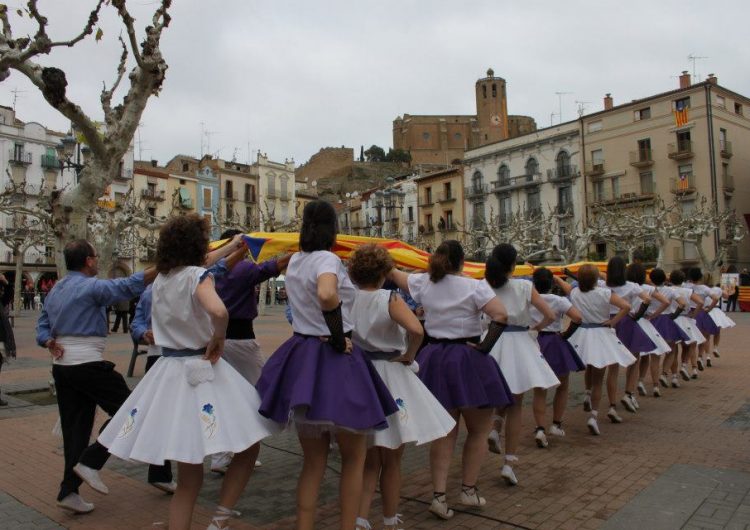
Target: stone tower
column 492, row 108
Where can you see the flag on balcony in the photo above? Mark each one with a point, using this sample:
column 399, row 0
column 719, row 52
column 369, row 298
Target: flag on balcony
column 266, row 245
column 683, row 183
column 680, row 116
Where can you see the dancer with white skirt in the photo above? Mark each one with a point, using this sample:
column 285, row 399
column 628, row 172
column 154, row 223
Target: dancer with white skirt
column 558, row 352
column 517, row 352
column 705, row 323
column 595, row 341
column 687, row 323
column 383, row 322
column 191, row 403
column 720, row 318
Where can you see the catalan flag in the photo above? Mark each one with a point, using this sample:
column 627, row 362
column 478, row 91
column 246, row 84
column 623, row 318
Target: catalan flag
column 683, row 182
column 681, row 116
column 266, row 245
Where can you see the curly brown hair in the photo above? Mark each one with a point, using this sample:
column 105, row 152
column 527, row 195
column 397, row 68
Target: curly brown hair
column 369, row 264
column 588, row 276
column 183, row 241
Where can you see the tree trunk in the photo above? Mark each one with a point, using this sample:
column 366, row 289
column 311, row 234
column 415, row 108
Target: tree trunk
column 18, row 251
column 660, row 257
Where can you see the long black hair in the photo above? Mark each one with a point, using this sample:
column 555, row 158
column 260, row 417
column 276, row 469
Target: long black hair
column 543, row 280
column 319, row 227
column 616, row 272
column 446, row 259
column 500, row 264
column 636, row 273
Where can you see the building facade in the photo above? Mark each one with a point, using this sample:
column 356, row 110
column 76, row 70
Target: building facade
column 440, row 199
column 276, row 183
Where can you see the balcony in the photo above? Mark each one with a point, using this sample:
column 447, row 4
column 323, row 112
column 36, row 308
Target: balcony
column 447, row 227
column 504, row 219
column 19, row 157
column 446, row 197
column 725, row 149
column 230, row 195
column 426, row 201
column 519, row 182
column 476, row 191
column 594, row 168
column 681, row 150
column 564, row 210
column 622, row 195
column 533, row 212
column 250, row 198
column 641, row 158
column 562, row 173
column 272, row 193
column 429, row 229
column 727, row 183
column 152, row 195
column 680, row 256
column 682, row 185
column 50, row 162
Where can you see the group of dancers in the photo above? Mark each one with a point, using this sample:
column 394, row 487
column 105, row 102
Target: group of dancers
column 360, row 369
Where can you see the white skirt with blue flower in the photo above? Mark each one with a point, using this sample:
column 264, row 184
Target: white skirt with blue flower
column 168, row 418
column 420, row 418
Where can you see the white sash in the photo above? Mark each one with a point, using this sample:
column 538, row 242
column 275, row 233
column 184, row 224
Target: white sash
column 79, row 350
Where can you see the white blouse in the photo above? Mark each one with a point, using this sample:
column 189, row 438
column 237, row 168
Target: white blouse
column 593, row 305
column 559, row 305
column 516, row 297
column 374, row 330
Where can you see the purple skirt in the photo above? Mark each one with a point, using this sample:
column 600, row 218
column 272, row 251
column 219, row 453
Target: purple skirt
column 560, row 355
column 343, row 389
column 461, row 377
column 633, row 336
column 706, row 324
column 669, row 331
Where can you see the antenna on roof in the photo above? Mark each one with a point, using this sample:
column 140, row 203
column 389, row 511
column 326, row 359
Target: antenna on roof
column 560, row 96
column 16, row 96
column 581, row 107
column 695, row 58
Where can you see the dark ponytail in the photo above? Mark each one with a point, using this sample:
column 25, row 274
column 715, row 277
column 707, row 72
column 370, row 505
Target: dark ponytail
column 446, row 259
column 500, row 264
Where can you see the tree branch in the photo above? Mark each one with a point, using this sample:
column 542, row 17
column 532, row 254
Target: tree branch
column 106, row 96
column 128, row 21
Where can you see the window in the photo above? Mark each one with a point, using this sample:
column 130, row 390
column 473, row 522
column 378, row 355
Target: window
column 229, row 189
column 494, row 90
column 683, row 141
column 18, row 152
column 182, row 182
column 185, row 166
column 151, row 187
column 476, row 182
column 207, row 198
column 428, row 196
column 503, row 175
column 563, row 237
column 447, row 190
column 599, row 193
column 426, row 136
column 284, row 184
column 721, row 101
column 647, row 183
column 682, row 103
column 484, row 91
column 533, row 203
column 722, row 138
column 505, row 209
column 151, row 212
column 229, row 212
column 565, row 199
column 595, row 126
column 457, row 136
column 685, row 169
column 410, row 212
column 644, row 149
column 562, row 163
column 271, row 186
column 249, row 193
column 738, row 109
column 597, row 156
column 685, row 177
column 478, row 215
column 209, row 219
column 449, row 219
column 532, row 168
column 248, row 215
column 615, row 187
column 428, row 219
column 642, row 114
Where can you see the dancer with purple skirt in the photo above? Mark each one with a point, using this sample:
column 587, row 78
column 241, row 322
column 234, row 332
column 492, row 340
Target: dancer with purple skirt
column 688, row 324
column 317, row 378
column 465, row 380
column 703, row 320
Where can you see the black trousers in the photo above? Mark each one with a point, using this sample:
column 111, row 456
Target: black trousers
column 121, row 316
column 80, row 388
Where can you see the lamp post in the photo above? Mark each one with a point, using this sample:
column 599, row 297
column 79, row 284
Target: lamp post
column 72, row 155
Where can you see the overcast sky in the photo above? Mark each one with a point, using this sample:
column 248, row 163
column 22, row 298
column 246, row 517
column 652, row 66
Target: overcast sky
column 289, row 77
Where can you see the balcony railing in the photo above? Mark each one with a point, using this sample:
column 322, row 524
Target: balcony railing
column 680, row 256
column 641, row 158
column 429, row 229
column 727, row 182
column 622, row 195
column 564, row 210
column 594, row 168
column 534, row 211
column 476, row 191
column 426, row 200
column 19, row 157
column 250, row 197
column 518, row 182
column 725, row 148
column 447, row 227
column 680, row 150
column 272, row 193
column 562, row 173
column 50, row 162
column 230, row 195
column 504, row 219
column 446, row 197
column 153, row 195
column 682, row 185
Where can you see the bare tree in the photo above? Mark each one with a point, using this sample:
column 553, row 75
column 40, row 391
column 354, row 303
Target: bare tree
column 70, row 209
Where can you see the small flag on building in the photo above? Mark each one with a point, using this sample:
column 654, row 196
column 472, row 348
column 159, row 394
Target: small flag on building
column 683, row 183
column 680, row 115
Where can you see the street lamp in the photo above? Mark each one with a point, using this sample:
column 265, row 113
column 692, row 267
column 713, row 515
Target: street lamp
column 67, row 149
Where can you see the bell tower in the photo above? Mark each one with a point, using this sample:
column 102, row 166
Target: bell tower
column 492, row 108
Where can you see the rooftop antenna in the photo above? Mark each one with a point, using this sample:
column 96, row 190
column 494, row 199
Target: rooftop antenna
column 234, row 154
column 560, row 96
column 205, row 136
column 139, row 142
column 551, row 118
column 16, row 93
column 695, row 58
column 582, row 107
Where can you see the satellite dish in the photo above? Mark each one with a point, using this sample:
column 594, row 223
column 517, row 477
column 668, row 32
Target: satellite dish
column 314, row 183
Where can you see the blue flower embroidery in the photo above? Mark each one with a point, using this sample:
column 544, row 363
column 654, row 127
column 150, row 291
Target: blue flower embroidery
column 208, row 418
column 133, row 413
column 208, row 408
column 400, row 403
column 403, row 415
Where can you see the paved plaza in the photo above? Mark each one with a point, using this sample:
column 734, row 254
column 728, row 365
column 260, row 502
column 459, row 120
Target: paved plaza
column 682, row 462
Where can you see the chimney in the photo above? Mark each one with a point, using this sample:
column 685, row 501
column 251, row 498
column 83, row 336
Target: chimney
column 608, row 102
column 712, row 79
column 684, row 79
column 154, row 163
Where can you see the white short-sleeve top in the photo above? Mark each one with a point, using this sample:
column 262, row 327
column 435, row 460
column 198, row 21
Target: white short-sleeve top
column 177, row 318
column 628, row 292
column 593, row 304
column 716, row 292
column 671, row 294
column 701, row 290
column 684, row 292
column 516, row 297
column 374, row 330
column 452, row 306
column 559, row 305
column 301, row 283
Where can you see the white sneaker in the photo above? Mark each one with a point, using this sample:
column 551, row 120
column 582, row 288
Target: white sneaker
column 74, row 503
column 258, row 463
column 362, row 524
column 470, row 497
column 613, row 416
column 166, row 487
column 657, row 392
column 627, row 402
column 664, row 381
column 684, row 373
column 709, row 363
column 541, row 439
column 508, row 475
column 695, row 374
column 556, row 431
column 91, row 477
column 439, row 508
column 593, row 426
column 641, row 388
column 700, row 364
column 493, row 441
column 716, row 353
column 221, row 470
column 587, row 403
column 635, row 402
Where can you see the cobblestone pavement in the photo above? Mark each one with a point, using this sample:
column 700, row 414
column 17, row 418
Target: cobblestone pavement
column 700, row 432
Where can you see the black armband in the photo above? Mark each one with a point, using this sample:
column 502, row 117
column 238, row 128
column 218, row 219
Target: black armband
column 569, row 274
column 493, row 334
column 641, row 311
column 335, row 322
column 571, row 329
column 677, row 313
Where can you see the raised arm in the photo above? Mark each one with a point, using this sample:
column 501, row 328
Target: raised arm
column 404, row 317
column 564, row 286
column 210, row 301
column 225, row 250
column 663, row 304
column 542, row 306
column 400, row 278
column 620, row 304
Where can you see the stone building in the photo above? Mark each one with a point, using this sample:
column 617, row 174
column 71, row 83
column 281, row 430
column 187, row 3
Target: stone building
column 442, row 139
column 440, row 199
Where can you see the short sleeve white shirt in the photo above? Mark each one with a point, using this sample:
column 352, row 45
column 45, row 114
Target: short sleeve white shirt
column 452, row 306
column 516, row 297
column 301, row 282
column 628, row 292
column 593, row 305
column 559, row 305
column 177, row 318
column 375, row 330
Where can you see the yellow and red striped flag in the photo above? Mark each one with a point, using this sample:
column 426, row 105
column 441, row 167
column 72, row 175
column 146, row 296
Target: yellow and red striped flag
column 681, row 116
